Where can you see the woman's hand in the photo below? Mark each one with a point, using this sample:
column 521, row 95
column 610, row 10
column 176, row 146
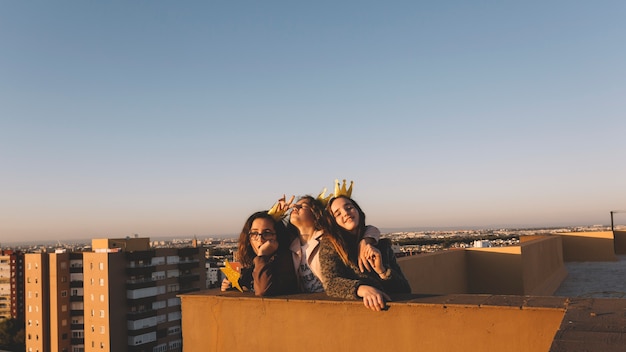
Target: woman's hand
column 371, row 258
column 366, row 246
column 267, row 248
column 225, row 285
column 373, row 298
column 283, row 204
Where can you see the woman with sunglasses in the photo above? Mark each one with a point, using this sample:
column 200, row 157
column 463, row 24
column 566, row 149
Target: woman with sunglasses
column 263, row 251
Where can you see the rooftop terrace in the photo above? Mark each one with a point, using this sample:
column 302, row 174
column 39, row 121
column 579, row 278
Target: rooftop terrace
column 550, row 293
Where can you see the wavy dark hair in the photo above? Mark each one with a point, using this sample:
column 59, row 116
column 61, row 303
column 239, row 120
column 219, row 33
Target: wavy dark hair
column 344, row 241
column 317, row 208
column 245, row 253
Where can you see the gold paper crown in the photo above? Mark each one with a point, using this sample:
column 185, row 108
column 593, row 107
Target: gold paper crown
column 276, row 213
column 343, row 191
column 323, row 198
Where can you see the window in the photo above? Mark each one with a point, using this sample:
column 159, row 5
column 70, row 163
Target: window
column 101, row 266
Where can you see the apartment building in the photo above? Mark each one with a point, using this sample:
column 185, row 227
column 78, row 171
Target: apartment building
column 11, row 284
column 121, row 296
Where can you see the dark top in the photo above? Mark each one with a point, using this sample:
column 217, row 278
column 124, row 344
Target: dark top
column 341, row 280
column 271, row 275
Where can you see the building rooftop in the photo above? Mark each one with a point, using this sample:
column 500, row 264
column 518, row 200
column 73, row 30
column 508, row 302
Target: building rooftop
column 594, row 279
column 562, row 293
column 595, row 319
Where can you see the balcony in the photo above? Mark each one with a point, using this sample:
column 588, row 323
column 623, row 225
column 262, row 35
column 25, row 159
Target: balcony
column 140, row 283
column 487, row 299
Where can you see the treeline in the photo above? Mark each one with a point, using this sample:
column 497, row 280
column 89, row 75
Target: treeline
column 447, row 242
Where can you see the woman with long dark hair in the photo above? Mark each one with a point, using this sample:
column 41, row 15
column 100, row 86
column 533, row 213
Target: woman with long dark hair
column 263, row 251
column 339, row 258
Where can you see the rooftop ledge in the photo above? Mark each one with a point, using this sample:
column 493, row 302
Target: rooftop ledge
column 487, row 299
column 233, row 321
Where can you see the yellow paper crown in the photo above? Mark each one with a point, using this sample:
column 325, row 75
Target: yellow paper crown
column 276, row 213
column 342, row 191
column 323, row 198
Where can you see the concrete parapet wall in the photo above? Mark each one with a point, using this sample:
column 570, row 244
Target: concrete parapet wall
column 231, row 321
column 620, row 242
column 495, row 270
column 534, row 267
column 436, row 273
column 588, row 246
column 543, row 269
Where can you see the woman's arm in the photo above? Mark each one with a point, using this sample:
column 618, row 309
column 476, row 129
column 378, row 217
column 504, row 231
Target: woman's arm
column 274, row 275
column 392, row 278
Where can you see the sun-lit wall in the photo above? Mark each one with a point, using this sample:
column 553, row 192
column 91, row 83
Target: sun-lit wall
column 588, row 246
column 231, row 321
column 533, row 267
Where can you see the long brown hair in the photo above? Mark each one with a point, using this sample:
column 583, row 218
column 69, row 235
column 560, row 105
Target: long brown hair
column 245, row 253
column 345, row 242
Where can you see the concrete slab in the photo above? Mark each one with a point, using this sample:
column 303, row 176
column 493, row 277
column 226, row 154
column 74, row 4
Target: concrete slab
column 595, row 279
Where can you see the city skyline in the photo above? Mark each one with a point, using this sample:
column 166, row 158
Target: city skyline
column 166, row 118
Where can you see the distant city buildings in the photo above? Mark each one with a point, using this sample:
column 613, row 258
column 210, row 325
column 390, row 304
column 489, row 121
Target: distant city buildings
column 11, row 284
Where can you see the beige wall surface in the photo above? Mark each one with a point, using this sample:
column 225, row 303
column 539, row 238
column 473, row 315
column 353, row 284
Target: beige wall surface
column 214, row 321
column 588, row 246
column 436, row 273
column 620, row 242
column 534, row 267
column 543, row 268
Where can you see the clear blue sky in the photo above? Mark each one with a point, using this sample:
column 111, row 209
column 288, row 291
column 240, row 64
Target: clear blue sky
column 165, row 118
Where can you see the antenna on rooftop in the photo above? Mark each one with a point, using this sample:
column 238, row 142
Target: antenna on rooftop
column 613, row 212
